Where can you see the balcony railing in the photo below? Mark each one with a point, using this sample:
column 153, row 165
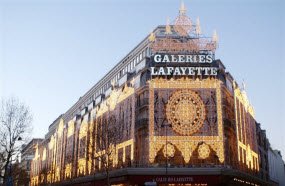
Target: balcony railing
column 142, row 103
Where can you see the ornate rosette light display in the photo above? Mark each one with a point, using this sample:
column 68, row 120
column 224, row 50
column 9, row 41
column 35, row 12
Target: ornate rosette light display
column 204, row 151
column 168, row 150
column 186, row 112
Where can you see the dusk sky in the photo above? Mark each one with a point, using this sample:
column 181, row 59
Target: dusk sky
column 54, row 51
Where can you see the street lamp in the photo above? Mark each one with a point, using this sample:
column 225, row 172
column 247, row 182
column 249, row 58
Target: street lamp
column 10, row 178
column 166, row 152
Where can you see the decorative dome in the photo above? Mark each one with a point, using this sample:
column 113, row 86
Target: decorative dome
column 183, row 24
column 192, row 38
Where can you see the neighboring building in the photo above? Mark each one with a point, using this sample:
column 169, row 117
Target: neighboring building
column 276, row 167
column 28, row 153
column 263, row 147
column 167, row 113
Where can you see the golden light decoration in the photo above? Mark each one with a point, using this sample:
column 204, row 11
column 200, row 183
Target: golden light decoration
column 81, row 166
column 124, row 145
column 183, row 24
column 151, row 37
column 184, row 27
column 44, row 154
column 116, row 96
column 251, row 155
column 49, row 175
column 60, row 128
column 186, row 144
column 68, row 169
column 168, row 27
column 175, row 45
column 35, row 180
column 168, row 150
column 70, row 129
column 186, row 112
column 42, row 178
column 57, row 174
column 51, row 143
column 204, row 151
column 37, row 155
column 83, row 129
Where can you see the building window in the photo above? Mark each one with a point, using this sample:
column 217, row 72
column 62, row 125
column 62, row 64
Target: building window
column 133, row 64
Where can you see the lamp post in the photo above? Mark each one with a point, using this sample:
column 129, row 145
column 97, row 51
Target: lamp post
column 10, row 178
column 166, row 153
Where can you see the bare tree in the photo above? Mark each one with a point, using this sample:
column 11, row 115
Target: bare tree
column 107, row 136
column 15, row 125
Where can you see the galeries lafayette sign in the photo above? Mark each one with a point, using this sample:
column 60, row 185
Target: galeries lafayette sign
column 181, row 65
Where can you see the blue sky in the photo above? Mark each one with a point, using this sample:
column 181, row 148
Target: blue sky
column 52, row 52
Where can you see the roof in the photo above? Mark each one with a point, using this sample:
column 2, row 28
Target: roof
column 31, row 144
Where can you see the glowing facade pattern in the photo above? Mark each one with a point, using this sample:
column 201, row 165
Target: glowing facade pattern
column 190, row 106
column 186, row 144
column 247, row 143
column 186, row 112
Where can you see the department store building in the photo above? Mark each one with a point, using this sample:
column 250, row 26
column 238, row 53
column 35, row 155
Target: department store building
column 167, row 114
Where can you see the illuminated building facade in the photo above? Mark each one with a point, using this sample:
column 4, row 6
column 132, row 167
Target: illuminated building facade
column 177, row 118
